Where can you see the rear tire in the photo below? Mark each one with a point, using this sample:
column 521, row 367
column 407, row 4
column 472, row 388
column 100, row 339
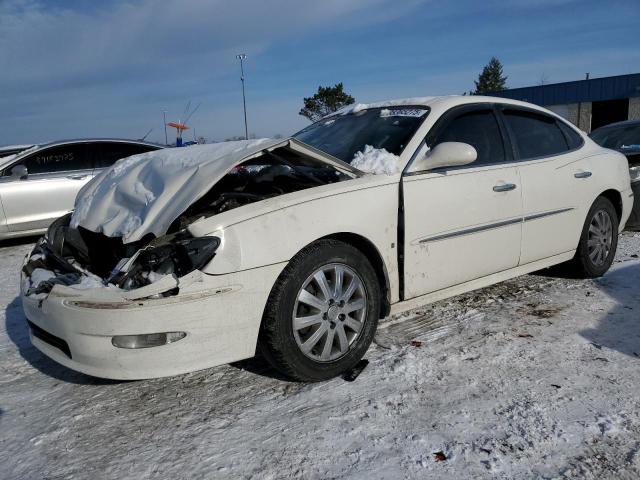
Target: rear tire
column 322, row 312
column 598, row 241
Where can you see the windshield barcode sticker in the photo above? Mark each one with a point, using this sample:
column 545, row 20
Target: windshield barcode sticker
column 402, row 112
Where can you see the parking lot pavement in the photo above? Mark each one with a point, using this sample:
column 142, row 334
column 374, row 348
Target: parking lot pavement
column 535, row 377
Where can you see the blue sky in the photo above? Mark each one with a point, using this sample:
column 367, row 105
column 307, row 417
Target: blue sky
column 74, row 68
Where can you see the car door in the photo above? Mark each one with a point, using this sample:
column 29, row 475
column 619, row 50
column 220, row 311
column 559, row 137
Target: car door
column 462, row 223
column 556, row 182
column 48, row 191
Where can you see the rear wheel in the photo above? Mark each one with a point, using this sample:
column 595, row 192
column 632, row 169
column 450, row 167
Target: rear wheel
column 322, row 313
column 599, row 240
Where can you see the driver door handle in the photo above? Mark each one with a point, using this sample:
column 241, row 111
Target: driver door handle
column 504, row 187
column 582, row 174
column 77, row 177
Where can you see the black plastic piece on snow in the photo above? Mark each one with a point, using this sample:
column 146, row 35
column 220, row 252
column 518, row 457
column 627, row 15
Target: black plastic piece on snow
column 353, row 373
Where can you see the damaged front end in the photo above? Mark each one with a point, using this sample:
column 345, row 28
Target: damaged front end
column 130, row 228
column 81, row 260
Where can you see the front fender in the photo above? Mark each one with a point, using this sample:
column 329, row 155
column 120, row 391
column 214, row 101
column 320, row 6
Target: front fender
column 276, row 236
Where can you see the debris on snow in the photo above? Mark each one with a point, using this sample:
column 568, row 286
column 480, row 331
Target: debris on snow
column 352, row 374
column 525, row 335
column 439, row 456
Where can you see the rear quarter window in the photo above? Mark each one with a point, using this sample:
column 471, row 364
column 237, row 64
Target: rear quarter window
column 60, row 158
column 536, row 135
column 574, row 140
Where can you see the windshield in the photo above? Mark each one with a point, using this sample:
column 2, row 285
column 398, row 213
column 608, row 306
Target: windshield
column 343, row 136
column 623, row 138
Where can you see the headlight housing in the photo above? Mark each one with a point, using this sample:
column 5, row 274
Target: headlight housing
column 634, row 173
column 173, row 255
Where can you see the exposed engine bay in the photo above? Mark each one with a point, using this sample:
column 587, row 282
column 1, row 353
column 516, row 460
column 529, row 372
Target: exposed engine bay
column 81, row 258
column 270, row 175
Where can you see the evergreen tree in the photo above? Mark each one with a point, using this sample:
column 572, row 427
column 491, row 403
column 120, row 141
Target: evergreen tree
column 327, row 100
column 491, row 79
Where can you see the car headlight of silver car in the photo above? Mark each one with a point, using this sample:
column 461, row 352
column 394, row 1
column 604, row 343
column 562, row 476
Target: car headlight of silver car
column 634, row 173
column 176, row 255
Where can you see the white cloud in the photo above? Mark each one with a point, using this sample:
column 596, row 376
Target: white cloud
column 45, row 47
column 63, row 67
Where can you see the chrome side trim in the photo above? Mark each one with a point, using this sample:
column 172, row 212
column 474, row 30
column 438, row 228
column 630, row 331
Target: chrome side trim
column 469, row 231
column 536, row 216
column 492, row 226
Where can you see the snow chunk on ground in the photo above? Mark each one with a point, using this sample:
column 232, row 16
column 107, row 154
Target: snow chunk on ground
column 377, row 161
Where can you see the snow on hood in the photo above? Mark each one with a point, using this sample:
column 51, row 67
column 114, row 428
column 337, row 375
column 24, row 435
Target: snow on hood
column 377, row 161
column 145, row 193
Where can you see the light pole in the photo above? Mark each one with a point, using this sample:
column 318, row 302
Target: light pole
column 242, row 57
column 164, row 122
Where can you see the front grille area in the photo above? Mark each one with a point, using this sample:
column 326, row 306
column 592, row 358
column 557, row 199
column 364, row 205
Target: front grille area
column 52, row 340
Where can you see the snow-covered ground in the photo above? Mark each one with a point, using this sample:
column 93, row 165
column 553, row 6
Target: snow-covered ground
column 538, row 377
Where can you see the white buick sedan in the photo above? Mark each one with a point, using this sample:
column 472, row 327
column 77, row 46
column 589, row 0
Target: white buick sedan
column 182, row 259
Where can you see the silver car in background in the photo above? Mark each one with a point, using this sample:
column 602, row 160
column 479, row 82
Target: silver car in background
column 39, row 183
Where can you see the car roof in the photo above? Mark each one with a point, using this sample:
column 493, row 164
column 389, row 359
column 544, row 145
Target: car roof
column 442, row 100
column 108, row 139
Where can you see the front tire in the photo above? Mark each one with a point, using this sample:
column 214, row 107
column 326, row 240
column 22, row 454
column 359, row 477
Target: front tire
column 322, row 313
column 599, row 240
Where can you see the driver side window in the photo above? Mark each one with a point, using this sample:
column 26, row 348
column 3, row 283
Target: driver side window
column 478, row 128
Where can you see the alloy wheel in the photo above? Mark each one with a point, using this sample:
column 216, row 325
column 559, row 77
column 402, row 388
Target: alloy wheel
column 600, row 237
column 329, row 312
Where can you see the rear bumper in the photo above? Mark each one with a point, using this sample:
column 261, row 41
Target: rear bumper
column 221, row 316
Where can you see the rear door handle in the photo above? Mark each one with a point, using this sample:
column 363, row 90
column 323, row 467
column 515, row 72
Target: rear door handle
column 582, row 174
column 504, row 187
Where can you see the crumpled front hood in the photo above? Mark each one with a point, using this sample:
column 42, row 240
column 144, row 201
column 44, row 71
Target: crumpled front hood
column 145, row 193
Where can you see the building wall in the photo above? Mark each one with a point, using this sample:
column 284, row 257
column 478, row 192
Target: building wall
column 634, row 108
column 584, row 122
column 570, row 112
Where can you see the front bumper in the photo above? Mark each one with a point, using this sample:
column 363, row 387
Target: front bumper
column 220, row 314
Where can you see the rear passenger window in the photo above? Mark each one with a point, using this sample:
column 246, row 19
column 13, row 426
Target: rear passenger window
column 573, row 138
column 106, row 154
column 58, row 159
column 479, row 129
column 536, row 135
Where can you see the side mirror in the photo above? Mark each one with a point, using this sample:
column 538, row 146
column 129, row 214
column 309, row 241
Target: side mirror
column 446, row 154
column 20, row 172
